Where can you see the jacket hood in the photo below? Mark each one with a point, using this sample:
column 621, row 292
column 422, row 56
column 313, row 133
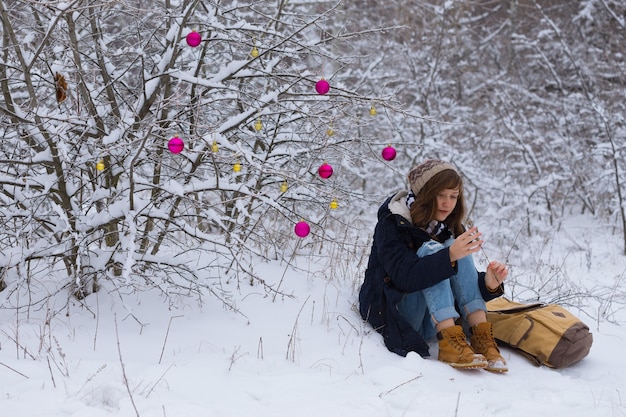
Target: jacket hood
column 396, row 204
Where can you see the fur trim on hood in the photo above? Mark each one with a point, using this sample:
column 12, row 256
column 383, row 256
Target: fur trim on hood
column 397, row 205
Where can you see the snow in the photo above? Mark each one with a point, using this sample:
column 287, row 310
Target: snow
column 303, row 352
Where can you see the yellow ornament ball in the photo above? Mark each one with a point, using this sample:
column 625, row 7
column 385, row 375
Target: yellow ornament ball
column 254, row 52
column 258, row 125
column 284, row 187
column 372, row 111
column 334, row 204
column 237, row 167
column 100, row 166
column 214, row 147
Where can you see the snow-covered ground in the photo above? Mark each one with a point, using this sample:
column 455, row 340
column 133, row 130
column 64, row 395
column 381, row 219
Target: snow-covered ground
column 137, row 354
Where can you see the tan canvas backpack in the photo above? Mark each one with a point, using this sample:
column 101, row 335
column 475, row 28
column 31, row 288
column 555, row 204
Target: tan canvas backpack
column 547, row 334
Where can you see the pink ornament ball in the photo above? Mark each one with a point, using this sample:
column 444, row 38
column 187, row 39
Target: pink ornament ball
column 389, row 153
column 302, row 229
column 176, row 145
column 322, row 87
column 193, row 39
column 325, row 170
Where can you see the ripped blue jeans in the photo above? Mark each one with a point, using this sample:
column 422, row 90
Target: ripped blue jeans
column 424, row 309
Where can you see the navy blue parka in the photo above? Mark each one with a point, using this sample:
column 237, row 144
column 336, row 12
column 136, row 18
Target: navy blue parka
column 394, row 269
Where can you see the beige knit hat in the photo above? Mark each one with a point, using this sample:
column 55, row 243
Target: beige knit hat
column 420, row 174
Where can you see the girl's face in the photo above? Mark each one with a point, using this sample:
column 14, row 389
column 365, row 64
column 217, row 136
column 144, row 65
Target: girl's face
column 446, row 202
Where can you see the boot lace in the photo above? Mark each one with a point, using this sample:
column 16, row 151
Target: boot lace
column 459, row 341
column 486, row 341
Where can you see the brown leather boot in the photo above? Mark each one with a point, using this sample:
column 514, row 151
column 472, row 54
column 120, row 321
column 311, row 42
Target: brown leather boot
column 454, row 350
column 482, row 341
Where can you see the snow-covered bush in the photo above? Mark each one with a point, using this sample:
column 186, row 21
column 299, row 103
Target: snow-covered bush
column 94, row 91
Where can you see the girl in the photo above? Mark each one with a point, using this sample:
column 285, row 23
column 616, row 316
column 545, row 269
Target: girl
column 411, row 299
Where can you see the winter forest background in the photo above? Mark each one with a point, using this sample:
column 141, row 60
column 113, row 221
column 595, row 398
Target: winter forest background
column 526, row 98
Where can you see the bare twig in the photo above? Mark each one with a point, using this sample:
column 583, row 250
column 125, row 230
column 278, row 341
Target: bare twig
column 470, row 224
column 17, row 372
column 95, row 335
column 119, row 352
column 159, row 380
column 291, row 345
column 166, row 335
column 295, row 250
column 382, row 394
column 259, row 353
column 235, row 356
column 91, row 377
column 51, row 373
column 18, row 346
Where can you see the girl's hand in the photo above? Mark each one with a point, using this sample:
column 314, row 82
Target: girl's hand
column 466, row 244
column 496, row 274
